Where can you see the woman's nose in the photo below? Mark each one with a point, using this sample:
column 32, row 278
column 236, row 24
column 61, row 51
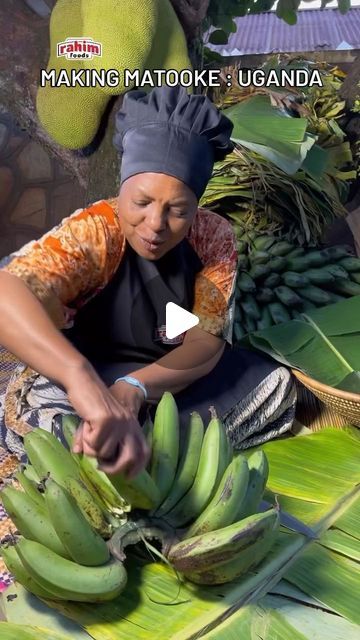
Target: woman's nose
column 156, row 220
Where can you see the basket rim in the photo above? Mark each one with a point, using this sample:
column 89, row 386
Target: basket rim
column 320, row 386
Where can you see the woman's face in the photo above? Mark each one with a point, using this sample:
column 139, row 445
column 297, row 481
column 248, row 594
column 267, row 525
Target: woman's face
column 156, row 212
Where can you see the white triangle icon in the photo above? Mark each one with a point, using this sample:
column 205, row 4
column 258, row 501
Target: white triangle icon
column 178, row 320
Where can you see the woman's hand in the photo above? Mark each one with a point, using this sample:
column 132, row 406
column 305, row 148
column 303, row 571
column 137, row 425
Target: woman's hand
column 110, row 430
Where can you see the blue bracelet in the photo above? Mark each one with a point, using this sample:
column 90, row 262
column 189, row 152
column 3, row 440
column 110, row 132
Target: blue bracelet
column 134, row 382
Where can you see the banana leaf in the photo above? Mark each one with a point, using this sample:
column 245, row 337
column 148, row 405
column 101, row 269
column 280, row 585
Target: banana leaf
column 293, row 594
column 12, row 631
column 325, row 344
column 265, row 129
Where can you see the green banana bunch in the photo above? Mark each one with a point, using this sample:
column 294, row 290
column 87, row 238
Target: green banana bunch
column 216, row 548
column 278, row 281
column 188, row 464
column 214, row 458
column 230, row 494
column 83, row 544
column 32, row 520
column 67, row 580
column 165, row 444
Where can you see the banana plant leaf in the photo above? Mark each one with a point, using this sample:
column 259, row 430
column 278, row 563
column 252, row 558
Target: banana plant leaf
column 267, row 130
column 325, row 344
column 12, row 631
column 294, row 593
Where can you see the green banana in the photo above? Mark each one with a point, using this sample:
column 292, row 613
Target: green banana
column 237, row 314
column 264, row 295
column 337, row 271
column 245, row 283
column 345, row 287
column 319, row 276
column 263, row 243
column 140, row 492
column 266, row 320
column 69, row 425
column 355, row 277
column 230, row 494
column 165, row 447
column 272, row 280
column 281, row 248
column 332, row 254
column 258, row 271
column 241, row 563
column 21, row 575
column 296, row 252
column 259, row 257
column 239, row 332
column 315, row 294
column 250, row 307
column 317, row 259
column 48, row 455
column 68, row 580
column 278, row 264
column 90, row 509
column 32, row 521
column 287, row 296
column 258, row 476
column 292, row 279
column 30, row 488
column 249, row 324
column 101, row 488
column 81, row 541
column 278, row 313
column 212, row 464
column 188, row 464
column 216, row 547
column 242, row 262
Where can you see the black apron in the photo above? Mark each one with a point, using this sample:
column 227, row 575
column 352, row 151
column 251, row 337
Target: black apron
column 122, row 329
column 123, row 326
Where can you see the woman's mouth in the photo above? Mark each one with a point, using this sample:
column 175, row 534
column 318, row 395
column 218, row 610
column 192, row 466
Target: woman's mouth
column 151, row 245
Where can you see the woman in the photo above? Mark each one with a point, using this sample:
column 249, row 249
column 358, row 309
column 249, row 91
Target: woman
column 84, row 307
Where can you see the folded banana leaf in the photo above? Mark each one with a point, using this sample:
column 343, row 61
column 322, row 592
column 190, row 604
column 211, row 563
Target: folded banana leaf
column 324, row 344
column 268, row 131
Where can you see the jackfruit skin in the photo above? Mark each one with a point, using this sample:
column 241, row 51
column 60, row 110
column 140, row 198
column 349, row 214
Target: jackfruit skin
column 126, row 30
column 70, row 115
column 169, row 50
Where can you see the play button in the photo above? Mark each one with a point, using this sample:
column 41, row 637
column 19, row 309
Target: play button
column 178, row 320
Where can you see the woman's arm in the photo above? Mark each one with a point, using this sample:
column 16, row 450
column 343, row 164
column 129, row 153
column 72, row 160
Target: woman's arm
column 195, row 358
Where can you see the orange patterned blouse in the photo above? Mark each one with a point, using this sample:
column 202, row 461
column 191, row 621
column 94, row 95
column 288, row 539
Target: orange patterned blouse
column 70, row 264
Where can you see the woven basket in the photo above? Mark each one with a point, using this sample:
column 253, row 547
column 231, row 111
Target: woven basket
column 343, row 402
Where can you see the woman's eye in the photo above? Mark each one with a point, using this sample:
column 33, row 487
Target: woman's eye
column 141, row 203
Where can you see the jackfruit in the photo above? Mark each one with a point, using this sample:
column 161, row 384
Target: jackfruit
column 126, row 31
column 70, row 115
column 169, row 50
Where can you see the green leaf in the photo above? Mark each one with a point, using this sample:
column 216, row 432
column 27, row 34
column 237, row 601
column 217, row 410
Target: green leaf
column 330, row 578
column 325, row 344
column 267, row 130
column 11, row 631
column 218, row 37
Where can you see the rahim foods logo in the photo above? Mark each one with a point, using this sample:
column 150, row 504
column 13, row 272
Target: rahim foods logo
column 73, row 48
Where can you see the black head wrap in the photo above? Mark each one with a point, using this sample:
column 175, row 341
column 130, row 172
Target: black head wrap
column 169, row 131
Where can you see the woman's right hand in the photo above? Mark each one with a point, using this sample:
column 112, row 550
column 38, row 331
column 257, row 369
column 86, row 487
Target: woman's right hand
column 110, row 431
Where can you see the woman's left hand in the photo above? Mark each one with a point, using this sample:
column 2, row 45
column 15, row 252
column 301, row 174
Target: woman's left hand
column 129, row 396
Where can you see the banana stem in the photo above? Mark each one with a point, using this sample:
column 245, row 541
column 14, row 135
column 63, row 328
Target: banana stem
column 133, row 532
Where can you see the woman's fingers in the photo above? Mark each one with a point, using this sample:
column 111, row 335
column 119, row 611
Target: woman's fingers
column 77, row 446
column 130, row 460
